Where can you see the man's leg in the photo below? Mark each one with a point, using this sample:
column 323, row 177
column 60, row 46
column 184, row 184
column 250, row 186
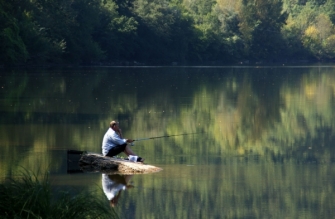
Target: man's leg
column 116, row 150
column 128, row 151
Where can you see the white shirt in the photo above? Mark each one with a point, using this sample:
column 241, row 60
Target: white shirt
column 110, row 187
column 111, row 139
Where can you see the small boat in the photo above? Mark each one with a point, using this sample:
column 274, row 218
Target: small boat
column 93, row 162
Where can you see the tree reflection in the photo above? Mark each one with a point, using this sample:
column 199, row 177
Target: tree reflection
column 283, row 113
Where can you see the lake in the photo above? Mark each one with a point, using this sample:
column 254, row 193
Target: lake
column 252, row 141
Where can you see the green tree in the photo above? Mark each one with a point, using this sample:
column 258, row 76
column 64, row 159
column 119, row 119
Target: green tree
column 115, row 32
column 329, row 9
column 164, row 33
column 294, row 30
column 228, row 31
column 319, row 37
column 260, row 24
column 12, row 47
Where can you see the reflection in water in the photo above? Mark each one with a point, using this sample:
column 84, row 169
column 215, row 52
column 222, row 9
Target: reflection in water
column 276, row 112
column 113, row 185
column 282, row 117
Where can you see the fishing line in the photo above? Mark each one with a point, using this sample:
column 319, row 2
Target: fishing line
column 166, row 136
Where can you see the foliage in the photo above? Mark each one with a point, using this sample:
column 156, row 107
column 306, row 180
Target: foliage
column 12, row 48
column 32, row 197
column 151, row 31
column 115, row 33
column 260, row 24
column 311, row 29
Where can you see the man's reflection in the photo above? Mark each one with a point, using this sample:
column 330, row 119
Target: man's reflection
column 113, row 186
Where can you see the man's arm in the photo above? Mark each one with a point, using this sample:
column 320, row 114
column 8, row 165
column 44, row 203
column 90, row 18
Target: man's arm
column 117, row 139
column 119, row 132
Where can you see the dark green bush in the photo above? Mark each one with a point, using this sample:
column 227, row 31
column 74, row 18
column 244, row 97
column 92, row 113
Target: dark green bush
column 31, row 197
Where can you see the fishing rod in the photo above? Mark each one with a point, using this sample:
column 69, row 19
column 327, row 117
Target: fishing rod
column 166, row 136
column 139, row 139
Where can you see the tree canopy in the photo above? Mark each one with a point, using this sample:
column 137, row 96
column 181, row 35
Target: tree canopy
column 90, row 32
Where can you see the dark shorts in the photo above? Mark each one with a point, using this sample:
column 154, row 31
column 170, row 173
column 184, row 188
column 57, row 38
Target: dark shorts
column 116, row 150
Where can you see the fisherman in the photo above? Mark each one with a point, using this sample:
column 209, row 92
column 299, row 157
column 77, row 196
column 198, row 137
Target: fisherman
column 113, row 142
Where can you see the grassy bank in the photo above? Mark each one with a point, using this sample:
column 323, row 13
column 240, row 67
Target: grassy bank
column 32, row 197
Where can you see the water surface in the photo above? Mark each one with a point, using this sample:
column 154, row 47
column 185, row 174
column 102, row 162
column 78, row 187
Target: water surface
column 263, row 148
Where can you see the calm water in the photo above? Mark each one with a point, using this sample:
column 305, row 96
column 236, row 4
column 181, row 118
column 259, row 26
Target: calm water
column 264, row 146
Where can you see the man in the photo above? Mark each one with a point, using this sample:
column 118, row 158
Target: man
column 113, row 143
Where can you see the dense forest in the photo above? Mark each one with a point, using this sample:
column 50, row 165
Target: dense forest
column 135, row 32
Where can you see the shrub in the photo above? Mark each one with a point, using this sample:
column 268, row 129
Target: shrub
column 30, row 197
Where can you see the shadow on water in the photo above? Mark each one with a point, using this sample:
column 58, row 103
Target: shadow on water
column 72, row 162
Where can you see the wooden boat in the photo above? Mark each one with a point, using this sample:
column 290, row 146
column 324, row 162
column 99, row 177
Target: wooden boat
column 91, row 162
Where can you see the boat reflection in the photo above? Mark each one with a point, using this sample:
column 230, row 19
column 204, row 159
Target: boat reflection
column 113, row 185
